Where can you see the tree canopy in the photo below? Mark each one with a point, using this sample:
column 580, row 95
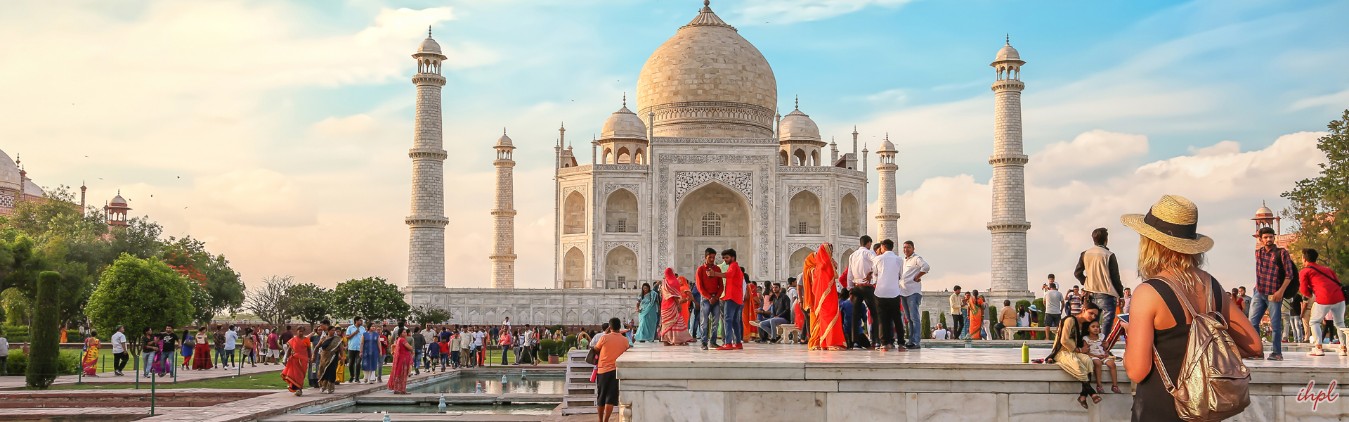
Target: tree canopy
column 310, row 303
column 140, row 293
column 372, row 298
column 1318, row 204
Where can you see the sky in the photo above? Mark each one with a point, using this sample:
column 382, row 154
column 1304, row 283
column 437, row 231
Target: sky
column 278, row 131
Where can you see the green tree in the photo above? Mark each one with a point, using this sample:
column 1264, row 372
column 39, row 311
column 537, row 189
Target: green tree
column 201, row 304
column 189, row 257
column 140, row 293
column 427, row 314
column 927, row 324
column 310, row 303
column 17, row 307
column 46, row 347
column 1318, row 204
column 372, row 298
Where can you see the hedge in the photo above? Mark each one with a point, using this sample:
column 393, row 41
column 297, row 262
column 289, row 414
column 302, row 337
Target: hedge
column 68, row 363
column 46, row 345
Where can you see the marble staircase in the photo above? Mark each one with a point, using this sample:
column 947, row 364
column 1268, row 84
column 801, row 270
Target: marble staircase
column 580, row 395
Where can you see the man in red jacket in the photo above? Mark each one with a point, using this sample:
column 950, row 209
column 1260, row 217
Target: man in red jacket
column 709, row 281
column 1322, row 282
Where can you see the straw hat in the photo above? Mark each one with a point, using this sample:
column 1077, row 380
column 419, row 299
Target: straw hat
column 1171, row 222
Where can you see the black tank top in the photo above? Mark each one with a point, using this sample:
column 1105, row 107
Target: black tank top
column 1151, row 401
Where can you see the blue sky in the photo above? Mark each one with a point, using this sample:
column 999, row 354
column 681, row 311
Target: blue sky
column 278, row 131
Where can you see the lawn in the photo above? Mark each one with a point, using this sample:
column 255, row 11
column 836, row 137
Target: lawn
column 270, row 380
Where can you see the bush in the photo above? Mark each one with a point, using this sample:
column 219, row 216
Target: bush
column 991, row 325
column 552, row 347
column 46, row 347
column 17, row 333
column 569, row 341
column 927, row 325
column 66, row 364
column 1039, row 304
column 941, row 319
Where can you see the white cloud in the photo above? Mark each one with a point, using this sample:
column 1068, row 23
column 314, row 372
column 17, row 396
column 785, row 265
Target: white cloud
column 947, row 214
column 764, row 12
column 1335, row 102
column 1092, row 152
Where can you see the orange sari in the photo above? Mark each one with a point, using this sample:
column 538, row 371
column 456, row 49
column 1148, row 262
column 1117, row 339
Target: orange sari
column 674, row 314
column 751, row 310
column 297, row 365
column 977, row 318
column 826, row 325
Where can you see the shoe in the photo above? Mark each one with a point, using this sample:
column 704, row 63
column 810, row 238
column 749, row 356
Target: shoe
column 726, row 347
column 704, row 346
column 1275, row 357
column 739, row 346
column 1257, row 357
column 1316, row 351
column 1344, row 351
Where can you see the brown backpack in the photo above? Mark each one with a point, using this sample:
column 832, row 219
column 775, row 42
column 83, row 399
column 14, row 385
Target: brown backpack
column 1213, row 383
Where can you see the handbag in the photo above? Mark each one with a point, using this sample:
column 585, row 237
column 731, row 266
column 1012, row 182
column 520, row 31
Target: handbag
column 593, row 357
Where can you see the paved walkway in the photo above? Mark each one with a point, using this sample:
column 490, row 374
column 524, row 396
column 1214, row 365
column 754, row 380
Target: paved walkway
column 11, row 382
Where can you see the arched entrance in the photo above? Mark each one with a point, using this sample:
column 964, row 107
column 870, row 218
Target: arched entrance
column 713, row 216
column 797, row 262
column 573, row 269
column 620, row 268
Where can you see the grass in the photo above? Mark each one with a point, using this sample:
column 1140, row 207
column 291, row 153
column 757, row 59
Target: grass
column 270, row 380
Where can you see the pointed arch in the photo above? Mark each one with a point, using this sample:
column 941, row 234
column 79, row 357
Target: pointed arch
column 797, row 261
column 850, row 216
column 620, row 212
column 573, row 269
column 574, row 214
column 799, row 157
column 624, row 156
column 620, row 268
column 803, row 213
column 639, row 157
column 783, row 158
column 712, row 216
column 608, row 157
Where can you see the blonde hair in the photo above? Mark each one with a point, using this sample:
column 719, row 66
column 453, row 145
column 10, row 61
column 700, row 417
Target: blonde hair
column 1154, row 259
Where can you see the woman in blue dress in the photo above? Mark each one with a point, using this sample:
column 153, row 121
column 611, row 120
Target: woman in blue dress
column 648, row 310
column 370, row 357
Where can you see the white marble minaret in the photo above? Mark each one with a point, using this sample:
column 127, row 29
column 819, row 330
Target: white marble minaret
column 889, row 215
column 503, row 216
column 1009, row 223
column 426, row 246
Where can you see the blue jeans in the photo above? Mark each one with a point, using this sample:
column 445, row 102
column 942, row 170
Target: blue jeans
column 768, row 328
column 915, row 325
column 147, row 358
column 708, row 318
column 735, row 322
column 1107, row 304
column 1260, row 303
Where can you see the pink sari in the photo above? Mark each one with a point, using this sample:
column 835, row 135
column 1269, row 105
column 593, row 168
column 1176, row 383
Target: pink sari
column 402, row 364
column 674, row 315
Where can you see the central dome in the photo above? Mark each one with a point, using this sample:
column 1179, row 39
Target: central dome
column 708, row 82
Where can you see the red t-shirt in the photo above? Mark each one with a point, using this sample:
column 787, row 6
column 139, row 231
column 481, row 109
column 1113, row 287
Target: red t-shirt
column 1325, row 284
column 735, row 284
column 709, row 286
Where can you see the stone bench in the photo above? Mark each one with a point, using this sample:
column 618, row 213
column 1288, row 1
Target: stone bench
column 1008, row 332
column 790, row 333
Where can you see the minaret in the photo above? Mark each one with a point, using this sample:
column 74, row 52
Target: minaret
column 503, row 216
column 426, row 246
column 833, row 151
column 1009, row 223
column 83, row 190
column 889, row 215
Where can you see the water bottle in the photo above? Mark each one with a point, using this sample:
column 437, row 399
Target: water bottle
column 968, row 343
column 441, row 407
column 386, row 417
column 503, row 380
column 1025, row 352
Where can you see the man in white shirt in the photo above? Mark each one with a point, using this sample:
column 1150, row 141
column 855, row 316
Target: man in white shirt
column 911, row 291
column 231, row 341
column 888, row 268
column 4, row 354
column 940, row 333
column 119, row 351
column 862, row 292
column 1053, row 306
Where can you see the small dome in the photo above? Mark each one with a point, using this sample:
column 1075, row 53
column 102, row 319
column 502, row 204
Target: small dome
column 32, row 189
column 887, row 147
column 505, row 141
column 797, row 126
column 429, row 46
column 118, row 200
column 623, row 124
column 1007, row 53
column 1264, row 212
column 9, row 172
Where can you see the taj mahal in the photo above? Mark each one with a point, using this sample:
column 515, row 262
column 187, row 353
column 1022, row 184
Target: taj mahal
column 703, row 158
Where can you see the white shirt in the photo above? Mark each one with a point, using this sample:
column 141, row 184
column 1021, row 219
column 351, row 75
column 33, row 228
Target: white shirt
column 859, row 264
column 4, row 347
column 791, row 293
column 118, row 342
column 888, row 268
column 1053, row 302
column 230, row 338
column 478, row 337
column 596, row 339
column 940, row 334
column 913, row 264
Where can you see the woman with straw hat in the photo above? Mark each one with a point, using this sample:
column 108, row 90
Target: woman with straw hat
column 1170, row 255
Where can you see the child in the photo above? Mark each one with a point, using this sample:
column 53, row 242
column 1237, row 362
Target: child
column 433, row 353
column 445, row 354
column 1100, row 357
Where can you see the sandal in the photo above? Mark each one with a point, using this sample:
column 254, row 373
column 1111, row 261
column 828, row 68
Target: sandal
column 1082, row 400
column 1115, row 388
column 1095, row 398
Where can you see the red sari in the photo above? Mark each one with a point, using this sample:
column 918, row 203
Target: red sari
column 751, row 310
column 402, row 364
column 201, row 353
column 826, row 324
column 674, row 315
column 297, row 365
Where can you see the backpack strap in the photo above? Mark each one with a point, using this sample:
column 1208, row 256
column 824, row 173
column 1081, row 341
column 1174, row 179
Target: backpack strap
column 1189, row 310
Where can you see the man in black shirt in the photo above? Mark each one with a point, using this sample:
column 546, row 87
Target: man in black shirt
column 171, row 348
column 418, row 348
column 781, row 311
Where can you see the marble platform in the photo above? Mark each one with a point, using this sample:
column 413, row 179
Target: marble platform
column 789, row 383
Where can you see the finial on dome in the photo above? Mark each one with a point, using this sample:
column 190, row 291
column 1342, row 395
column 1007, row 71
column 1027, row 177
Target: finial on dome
column 707, row 3
column 428, row 31
column 1008, row 38
column 503, row 131
column 798, row 101
column 625, row 98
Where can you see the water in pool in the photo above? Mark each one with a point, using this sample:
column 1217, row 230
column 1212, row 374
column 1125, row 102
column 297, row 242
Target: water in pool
column 465, row 409
column 489, row 384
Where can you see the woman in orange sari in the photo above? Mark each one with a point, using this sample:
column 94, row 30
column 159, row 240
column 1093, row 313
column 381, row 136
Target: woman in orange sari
column 826, row 325
column 976, row 316
column 89, row 361
column 402, row 364
column 674, row 313
column 297, row 362
column 751, row 311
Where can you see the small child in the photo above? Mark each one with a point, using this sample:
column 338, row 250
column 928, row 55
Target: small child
column 1100, row 357
column 444, row 354
column 432, row 352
